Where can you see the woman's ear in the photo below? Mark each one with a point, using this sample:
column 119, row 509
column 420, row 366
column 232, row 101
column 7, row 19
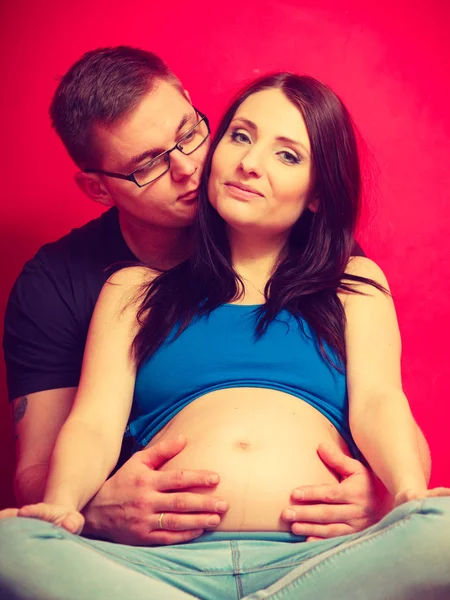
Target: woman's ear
column 91, row 185
column 313, row 204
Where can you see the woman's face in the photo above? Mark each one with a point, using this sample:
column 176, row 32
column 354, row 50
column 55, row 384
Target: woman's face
column 261, row 172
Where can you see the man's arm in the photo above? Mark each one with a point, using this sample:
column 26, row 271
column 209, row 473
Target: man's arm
column 37, row 418
column 43, row 352
column 129, row 500
column 122, row 509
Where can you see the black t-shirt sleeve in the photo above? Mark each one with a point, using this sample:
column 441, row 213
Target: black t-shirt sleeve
column 41, row 340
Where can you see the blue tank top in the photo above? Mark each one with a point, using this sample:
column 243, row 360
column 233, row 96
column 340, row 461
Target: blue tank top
column 221, row 351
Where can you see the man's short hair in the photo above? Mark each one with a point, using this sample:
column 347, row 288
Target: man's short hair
column 102, row 87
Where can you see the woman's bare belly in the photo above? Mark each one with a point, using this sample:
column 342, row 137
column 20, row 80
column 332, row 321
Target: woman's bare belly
column 262, row 443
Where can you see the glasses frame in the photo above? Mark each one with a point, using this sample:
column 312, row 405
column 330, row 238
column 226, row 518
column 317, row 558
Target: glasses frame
column 131, row 177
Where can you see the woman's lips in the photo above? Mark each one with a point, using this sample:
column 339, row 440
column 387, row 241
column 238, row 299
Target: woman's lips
column 241, row 192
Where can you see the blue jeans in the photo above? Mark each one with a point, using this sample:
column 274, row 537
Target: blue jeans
column 404, row 556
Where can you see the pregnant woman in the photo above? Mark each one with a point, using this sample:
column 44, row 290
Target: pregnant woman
column 269, row 340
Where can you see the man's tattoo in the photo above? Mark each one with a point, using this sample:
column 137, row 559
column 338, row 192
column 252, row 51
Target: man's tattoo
column 20, row 409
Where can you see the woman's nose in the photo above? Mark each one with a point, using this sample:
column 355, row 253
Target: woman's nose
column 251, row 163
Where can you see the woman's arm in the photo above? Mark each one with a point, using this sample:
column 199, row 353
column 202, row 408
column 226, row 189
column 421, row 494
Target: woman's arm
column 381, row 421
column 88, row 445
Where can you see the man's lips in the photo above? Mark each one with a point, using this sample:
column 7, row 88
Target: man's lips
column 242, row 191
column 189, row 195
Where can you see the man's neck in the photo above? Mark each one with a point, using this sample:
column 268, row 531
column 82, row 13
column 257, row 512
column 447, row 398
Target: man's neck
column 157, row 247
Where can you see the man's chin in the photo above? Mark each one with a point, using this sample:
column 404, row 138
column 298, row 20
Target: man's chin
column 188, row 201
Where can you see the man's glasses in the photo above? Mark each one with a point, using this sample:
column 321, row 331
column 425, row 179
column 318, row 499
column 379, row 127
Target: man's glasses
column 158, row 166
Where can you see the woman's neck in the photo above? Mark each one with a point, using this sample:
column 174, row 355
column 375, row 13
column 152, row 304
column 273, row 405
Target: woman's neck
column 255, row 259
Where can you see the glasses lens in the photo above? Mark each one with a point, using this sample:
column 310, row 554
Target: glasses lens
column 194, row 138
column 152, row 170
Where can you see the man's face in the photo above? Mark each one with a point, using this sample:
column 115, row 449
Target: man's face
column 160, row 120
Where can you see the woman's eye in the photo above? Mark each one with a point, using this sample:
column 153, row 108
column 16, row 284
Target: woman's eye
column 289, row 157
column 240, row 137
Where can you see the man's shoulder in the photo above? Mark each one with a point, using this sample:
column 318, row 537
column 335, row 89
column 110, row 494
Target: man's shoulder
column 51, row 304
column 97, row 241
column 70, row 271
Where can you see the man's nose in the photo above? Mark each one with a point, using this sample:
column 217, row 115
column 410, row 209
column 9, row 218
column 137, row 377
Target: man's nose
column 181, row 165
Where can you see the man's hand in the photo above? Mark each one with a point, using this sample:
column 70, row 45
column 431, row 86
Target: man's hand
column 128, row 507
column 330, row 510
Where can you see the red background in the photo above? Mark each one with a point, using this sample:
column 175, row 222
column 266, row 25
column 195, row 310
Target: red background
column 388, row 60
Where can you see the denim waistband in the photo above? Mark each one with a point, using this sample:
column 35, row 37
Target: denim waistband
column 265, row 536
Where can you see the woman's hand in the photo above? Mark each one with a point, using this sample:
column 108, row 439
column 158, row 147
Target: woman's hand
column 439, row 491
column 63, row 516
column 8, row 513
column 330, row 510
column 410, row 494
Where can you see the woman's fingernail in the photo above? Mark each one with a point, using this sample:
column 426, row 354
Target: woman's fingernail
column 213, row 479
column 289, row 515
column 213, row 521
column 298, row 494
column 222, row 505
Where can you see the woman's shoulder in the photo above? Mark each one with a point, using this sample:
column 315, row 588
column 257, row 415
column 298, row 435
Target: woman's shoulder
column 133, row 276
column 125, row 288
column 361, row 266
column 373, row 286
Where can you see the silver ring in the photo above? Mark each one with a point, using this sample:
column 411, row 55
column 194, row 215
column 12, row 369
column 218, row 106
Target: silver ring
column 160, row 525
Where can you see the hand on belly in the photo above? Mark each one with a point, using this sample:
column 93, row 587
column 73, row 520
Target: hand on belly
column 262, row 446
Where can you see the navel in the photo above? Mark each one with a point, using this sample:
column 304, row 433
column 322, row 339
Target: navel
column 244, row 445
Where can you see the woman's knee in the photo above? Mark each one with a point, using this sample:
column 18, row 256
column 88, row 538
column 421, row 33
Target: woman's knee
column 16, row 531
column 439, row 508
column 433, row 524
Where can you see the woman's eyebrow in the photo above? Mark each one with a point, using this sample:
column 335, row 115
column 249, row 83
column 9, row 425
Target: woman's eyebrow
column 246, row 122
column 287, row 140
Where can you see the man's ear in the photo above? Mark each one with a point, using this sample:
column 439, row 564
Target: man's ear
column 91, row 185
column 188, row 96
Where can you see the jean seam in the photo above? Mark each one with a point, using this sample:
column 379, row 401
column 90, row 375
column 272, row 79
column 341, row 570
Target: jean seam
column 112, row 556
column 284, row 565
column 338, row 551
column 139, row 563
column 135, row 561
column 235, row 555
column 213, row 572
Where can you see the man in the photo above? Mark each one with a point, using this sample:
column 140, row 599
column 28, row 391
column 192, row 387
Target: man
column 128, row 124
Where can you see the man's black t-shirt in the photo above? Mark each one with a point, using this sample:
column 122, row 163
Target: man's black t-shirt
column 51, row 304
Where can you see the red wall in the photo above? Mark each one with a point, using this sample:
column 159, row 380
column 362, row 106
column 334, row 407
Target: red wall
column 389, row 61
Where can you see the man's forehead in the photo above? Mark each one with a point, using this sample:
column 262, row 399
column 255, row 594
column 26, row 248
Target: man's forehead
column 152, row 125
column 159, row 111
